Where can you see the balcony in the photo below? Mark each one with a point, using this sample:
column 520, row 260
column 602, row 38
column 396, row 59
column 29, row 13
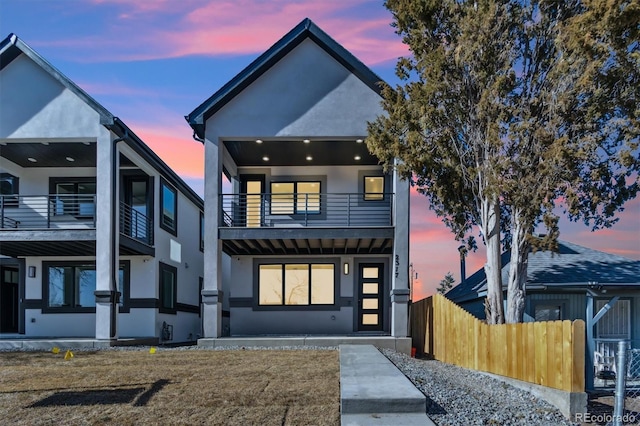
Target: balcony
column 290, row 224
column 47, row 225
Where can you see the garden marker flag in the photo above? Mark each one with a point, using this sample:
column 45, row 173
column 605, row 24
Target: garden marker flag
column 55, row 350
column 68, row 355
column 152, row 350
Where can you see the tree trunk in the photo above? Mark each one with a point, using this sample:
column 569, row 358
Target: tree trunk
column 516, row 289
column 494, row 305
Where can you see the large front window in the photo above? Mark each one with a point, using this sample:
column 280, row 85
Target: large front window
column 71, row 285
column 295, row 197
column 296, row 284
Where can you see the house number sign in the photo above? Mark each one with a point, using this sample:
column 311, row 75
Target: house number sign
column 397, row 265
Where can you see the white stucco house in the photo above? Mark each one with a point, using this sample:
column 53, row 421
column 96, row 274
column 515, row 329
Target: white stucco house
column 305, row 234
column 99, row 238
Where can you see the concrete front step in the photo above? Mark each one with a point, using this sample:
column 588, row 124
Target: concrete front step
column 386, row 419
column 370, row 383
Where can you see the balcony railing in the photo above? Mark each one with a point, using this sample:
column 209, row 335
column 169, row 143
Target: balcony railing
column 135, row 224
column 72, row 211
column 306, row 210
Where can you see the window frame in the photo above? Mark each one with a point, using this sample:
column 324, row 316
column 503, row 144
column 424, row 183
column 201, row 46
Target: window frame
column 172, row 309
column 295, row 196
column 297, row 307
column 11, row 200
column 123, row 305
column 53, row 191
column 379, row 196
column 170, row 229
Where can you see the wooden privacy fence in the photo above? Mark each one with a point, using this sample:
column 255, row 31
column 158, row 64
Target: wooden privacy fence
column 545, row 353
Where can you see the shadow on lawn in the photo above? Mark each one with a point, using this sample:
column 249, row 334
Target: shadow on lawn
column 138, row 396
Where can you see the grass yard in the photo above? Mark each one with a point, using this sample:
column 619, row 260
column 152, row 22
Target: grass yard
column 252, row 387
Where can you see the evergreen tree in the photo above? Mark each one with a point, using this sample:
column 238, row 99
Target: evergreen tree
column 446, row 283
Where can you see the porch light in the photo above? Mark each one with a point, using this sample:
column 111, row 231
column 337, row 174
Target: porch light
column 346, row 268
column 31, row 272
column 357, row 158
column 265, row 158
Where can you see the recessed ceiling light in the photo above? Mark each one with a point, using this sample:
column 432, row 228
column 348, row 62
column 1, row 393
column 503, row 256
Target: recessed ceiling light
column 87, row 143
column 306, row 141
column 359, row 141
column 71, row 159
column 258, row 140
column 309, row 158
column 33, row 160
column 44, row 143
column 357, row 157
column 265, row 158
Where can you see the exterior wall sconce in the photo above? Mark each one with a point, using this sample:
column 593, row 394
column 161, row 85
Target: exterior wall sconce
column 31, row 271
column 345, row 268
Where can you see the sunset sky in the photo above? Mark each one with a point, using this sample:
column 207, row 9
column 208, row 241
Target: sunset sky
column 151, row 62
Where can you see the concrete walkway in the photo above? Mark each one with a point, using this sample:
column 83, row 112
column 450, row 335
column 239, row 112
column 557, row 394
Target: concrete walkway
column 374, row 392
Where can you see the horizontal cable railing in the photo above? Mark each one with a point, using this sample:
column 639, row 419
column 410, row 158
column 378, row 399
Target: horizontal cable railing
column 68, row 211
column 135, row 224
column 306, row 210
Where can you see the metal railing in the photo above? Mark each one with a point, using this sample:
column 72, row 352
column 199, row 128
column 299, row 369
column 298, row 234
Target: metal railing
column 306, row 210
column 135, row 224
column 72, row 211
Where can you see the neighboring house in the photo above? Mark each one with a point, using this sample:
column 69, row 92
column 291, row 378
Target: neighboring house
column 305, row 235
column 99, row 238
column 575, row 282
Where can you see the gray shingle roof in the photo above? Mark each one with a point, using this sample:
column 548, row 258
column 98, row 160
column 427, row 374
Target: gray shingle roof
column 572, row 266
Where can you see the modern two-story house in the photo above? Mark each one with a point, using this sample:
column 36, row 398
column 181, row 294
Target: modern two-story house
column 99, row 238
column 305, row 234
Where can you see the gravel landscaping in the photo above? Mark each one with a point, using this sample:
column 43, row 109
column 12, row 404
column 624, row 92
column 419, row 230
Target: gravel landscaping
column 457, row 396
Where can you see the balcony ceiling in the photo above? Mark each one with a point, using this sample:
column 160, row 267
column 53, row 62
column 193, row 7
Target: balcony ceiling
column 295, row 153
column 53, row 154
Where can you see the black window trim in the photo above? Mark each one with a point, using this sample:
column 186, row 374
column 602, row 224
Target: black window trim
column 164, row 183
column 364, row 189
column 161, row 268
column 11, row 200
column 295, row 197
column 125, row 265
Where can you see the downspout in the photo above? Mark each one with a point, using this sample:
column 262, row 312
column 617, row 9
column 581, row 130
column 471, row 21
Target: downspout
column 115, row 267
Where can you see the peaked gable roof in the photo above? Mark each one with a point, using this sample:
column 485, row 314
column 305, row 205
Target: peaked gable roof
column 12, row 47
column 571, row 266
column 305, row 29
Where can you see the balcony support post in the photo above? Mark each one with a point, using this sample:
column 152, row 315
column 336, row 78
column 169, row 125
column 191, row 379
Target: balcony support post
column 400, row 275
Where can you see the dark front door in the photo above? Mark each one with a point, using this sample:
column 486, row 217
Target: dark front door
column 9, row 299
column 370, row 300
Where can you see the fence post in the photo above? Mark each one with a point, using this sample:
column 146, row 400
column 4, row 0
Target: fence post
column 621, row 374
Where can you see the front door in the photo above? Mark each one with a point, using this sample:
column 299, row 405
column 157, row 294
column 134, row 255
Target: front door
column 9, row 299
column 251, row 207
column 370, row 300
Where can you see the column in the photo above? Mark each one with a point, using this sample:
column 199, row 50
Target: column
column 400, row 262
column 107, row 233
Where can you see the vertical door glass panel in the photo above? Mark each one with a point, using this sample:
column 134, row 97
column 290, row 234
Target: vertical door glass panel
column 282, row 201
column 370, row 304
column 270, row 282
column 254, row 204
column 296, row 285
column 308, row 198
column 322, row 285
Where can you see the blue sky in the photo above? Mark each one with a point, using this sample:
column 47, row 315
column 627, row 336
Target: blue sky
column 150, row 62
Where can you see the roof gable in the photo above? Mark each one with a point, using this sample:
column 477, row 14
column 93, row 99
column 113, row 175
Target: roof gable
column 305, row 30
column 12, row 47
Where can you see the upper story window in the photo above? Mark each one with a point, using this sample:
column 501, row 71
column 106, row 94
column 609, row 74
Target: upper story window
column 295, row 197
column 9, row 186
column 169, row 206
column 374, row 188
column 75, row 196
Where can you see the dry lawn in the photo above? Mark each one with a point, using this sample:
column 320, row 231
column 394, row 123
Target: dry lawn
column 249, row 387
